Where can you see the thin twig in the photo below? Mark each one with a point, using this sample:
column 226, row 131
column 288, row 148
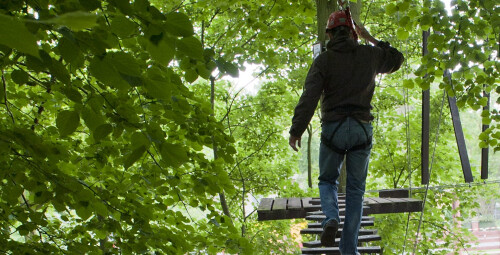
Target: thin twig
column 5, row 99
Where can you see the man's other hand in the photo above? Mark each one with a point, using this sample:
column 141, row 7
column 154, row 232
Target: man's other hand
column 293, row 141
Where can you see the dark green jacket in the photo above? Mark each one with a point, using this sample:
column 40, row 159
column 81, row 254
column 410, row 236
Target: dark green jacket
column 344, row 78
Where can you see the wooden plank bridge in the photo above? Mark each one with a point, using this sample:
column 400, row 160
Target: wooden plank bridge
column 389, row 201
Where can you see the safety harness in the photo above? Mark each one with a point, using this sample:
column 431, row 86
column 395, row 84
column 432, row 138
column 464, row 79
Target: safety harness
column 329, row 143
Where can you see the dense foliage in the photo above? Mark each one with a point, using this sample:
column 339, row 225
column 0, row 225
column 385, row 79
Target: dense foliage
column 109, row 141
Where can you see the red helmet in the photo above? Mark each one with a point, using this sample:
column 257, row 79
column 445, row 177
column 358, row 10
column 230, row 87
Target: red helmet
column 340, row 18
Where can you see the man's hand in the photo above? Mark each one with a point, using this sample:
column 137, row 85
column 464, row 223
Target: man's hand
column 364, row 34
column 292, row 142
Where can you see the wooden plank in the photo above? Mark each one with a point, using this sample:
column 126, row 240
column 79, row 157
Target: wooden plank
column 264, row 210
column 294, row 203
column 318, row 202
column 312, row 208
column 364, row 223
column 426, row 110
column 414, row 205
column 399, row 193
column 283, row 208
column 361, row 239
column 335, row 250
column 341, row 211
column 373, row 204
column 279, row 208
column 306, row 202
column 279, row 204
column 393, row 205
column 315, row 213
column 266, row 204
column 294, row 208
column 342, row 218
column 316, row 231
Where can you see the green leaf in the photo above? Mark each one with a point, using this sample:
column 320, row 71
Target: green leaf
column 191, row 75
column 173, row 154
column 191, row 47
column 157, row 86
column 203, row 71
column 155, row 132
column 78, row 20
column 483, row 144
column 102, row 131
column 19, row 76
column 403, row 6
column 139, row 139
column 161, row 50
column 100, row 209
column 14, row 34
column 486, row 121
column 402, row 34
column 35, row 64
column 67, row 122
column 90, row 5
column 135, row 155
column 232, row 69
column 391, row 8
column 408, row 84
column 124, row 63
column 413, row 13
column 91, row 119
column 72, row 94
column 60, row 72
column 101, row 234
column 178, row 24
column 122, row 26
column 107, row 74
column 84, row 212
column 426, row 21
column 69, row 51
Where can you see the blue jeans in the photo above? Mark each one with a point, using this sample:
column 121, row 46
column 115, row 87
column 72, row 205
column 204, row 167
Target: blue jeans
column 349, row 134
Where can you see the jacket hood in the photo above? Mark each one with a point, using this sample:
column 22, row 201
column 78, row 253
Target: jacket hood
column 342, row 44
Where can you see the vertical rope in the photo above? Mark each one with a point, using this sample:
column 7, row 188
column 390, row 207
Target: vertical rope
column 408, row 141
column 430, row 174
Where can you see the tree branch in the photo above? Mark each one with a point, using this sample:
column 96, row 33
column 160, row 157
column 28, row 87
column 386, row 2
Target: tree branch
column 253, row 153
column 6, row 103
column 448, row 231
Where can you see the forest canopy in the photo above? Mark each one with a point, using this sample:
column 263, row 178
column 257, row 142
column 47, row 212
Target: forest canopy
column 120, row 134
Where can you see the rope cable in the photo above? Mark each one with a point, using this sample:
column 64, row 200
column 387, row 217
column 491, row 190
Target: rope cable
column 430, row 174
column 447, row 186
column 408, row 139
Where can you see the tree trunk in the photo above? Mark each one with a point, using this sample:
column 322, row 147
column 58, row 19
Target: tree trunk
column 222, row 196
column 323, row 10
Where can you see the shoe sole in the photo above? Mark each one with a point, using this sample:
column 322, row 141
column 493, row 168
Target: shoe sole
column 328, row 235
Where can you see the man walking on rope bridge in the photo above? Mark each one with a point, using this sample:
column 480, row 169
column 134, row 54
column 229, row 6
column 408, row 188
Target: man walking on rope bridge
column 344, row 78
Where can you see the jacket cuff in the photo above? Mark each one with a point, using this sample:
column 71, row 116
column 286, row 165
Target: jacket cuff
column 294, row 132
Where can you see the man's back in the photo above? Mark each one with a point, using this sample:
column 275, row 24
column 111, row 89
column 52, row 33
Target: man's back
column 344, row 77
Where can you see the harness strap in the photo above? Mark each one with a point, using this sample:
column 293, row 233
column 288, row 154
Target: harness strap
column 328, row 141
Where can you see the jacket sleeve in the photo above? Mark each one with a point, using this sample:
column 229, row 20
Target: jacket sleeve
column 390, row 59
column 310, row 96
